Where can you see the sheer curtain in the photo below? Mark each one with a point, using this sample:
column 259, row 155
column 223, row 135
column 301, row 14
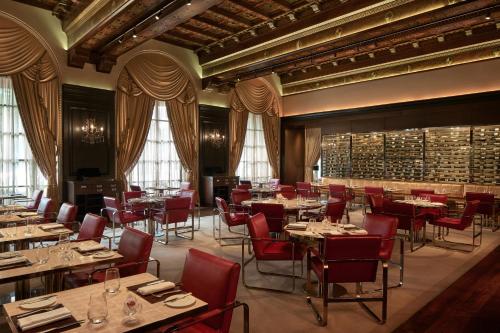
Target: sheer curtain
column 159, row 164
column 254, row 164
column 19, row 172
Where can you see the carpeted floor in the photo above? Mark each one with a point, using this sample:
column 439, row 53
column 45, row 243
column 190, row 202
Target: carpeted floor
column 428, row 272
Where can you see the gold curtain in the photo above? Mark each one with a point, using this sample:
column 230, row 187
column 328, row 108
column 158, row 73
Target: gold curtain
column 238, row 120
column 36, row 87
column 159, row 78
column 256, row 97
column 312, row 151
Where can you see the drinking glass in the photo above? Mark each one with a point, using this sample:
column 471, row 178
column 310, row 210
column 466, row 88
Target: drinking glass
column 29, row 227
column 112, row 280
column 42, row 254
column 13, row 230
column 131, row 307
column 63, row 241
column 98, row 309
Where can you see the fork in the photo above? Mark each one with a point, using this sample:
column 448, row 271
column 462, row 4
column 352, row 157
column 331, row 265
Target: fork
column 165, row 293
column 177, row 298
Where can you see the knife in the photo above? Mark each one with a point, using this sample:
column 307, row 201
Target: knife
column 154, row 282
column 37, row 299
column 63, row 326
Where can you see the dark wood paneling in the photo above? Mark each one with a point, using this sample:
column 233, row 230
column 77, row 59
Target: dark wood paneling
column 292, row 151
column 78, row 104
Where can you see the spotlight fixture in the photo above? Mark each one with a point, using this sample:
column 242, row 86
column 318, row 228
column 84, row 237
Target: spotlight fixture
column 335, row 64
column 120, row 40
column 236, row 39
column 252, row 32
column 134, row 34
column 157, row 16
column 292, row 17
column 392, row 50
column 221, row 45
column 315, row 8
column 468, row 32
column 371, row 55
column 440, row 39
column 488, row 16
column 271, row 25
column 189, row 3
column 415, row 45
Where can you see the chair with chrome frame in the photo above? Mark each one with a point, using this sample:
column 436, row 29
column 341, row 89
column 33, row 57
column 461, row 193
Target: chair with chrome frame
column 459, row 223
column 268, row 249
column 287, row 191
column 46, row 210
column 136, row 208
column 237, row 198
column 117, row 214
column 32, row 204
column 486, row 208
column 243, row 186
column 274, row 213
column 305, row 190
column 135, row 188
column 368, row 190
column 334, row 210
column 347, row 259
column 339, row 191
column 192, row 206
column 231, row 218
column 174, row 211
column 376, row 203
column 218, row 290
column 67, row 215
column 408, row 220
column 386, row 227
column 92, row 228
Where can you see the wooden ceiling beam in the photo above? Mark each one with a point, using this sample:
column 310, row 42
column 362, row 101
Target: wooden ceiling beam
column 198, row 32
column 212, row 25
column 177, row 41
column 229, row 17
column 283, row 5
column 249, row 10
column 186, row 39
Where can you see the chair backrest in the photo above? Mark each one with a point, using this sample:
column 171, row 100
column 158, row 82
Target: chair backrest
column 420, row 192
column 92, row 227
column 243, row 186
column 385, row 227
column 442, row 198
column 239, row 195
column 220, row 283
column 403, row 211
column 177, row 209
column 185, row 186
column 335, row 210
column 246, row 182
column 67, row 214
column 274, row 182
column 287, row 191
column 374, row 190
column 35, row 199
column 46, row 208
column 223, row 209
column 304, row 188
column 337, row 191
column 274, row 213
column 135, row 188
column 468, row 214
column 191, row 194
column 258, row 228
column 135, row 247
column 486, row 202
column 112, row 204
column 376, row 202
column 352, row 258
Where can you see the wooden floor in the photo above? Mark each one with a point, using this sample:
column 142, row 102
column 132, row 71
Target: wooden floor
column 470, row 304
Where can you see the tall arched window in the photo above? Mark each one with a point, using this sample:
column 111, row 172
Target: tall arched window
column 159, row 164
column 19, row 171
column 254, row 163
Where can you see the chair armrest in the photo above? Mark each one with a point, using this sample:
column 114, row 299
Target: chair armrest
column 314, row 251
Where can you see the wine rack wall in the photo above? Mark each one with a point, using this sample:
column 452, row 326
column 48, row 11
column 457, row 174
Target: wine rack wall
column 445, row 154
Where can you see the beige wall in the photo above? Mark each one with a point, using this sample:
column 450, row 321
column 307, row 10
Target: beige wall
column 457, row 80
column 48, row 30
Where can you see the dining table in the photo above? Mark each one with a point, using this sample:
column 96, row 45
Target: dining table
column 152, row 315
column 12, row 208
column 261, row 191
column 149, row 203
column 292, row 207
column 60, row 259
column 21, row 236
column 11, row 197
column 160, row 190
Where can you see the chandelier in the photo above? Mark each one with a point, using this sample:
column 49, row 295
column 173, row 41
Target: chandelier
column 216, row 138
column 91, row 133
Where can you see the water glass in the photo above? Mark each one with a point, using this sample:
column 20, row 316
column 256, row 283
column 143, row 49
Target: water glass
column 42, row 254
column 29, row 228
column 98, row 309
column 112, row 280
column 131, row 307
column 13, row 230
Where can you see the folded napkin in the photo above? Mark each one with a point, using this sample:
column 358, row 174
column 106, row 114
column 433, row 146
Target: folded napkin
column 50, row 226
column 279, row 196
column 90, row 247
column 297, row 226
column 358, row 232
column 43, row 318
column 12, row 261
column 154, row 288
column 349, row 226
column 7, row 255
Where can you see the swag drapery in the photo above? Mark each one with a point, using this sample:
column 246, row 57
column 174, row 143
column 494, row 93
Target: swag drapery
column 256, row 97
column 147, row 78
column 312, row 151
column 36, row 86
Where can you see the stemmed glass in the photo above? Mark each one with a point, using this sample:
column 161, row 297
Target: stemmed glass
column 42, row 254
column 98, row 309
column 131, row 307
column 112, row 281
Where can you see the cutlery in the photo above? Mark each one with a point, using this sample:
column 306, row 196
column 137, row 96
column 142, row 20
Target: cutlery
column 37, row 299
column 29, row 313
column 177, row 298
column 154, row 282
column 63, row 326
column 159, row 295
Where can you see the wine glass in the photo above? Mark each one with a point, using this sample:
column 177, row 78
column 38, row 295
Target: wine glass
column 98, row 309
column 112, row 280
column 42, row 254
column 131, row 307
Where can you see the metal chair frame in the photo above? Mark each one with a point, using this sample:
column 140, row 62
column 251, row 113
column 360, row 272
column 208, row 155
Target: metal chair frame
column 446, row 243
column 221, row 239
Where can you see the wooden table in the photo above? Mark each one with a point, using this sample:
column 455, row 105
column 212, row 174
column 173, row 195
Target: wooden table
column 53, row 270
column 151, row 316
column 149, row 203
column 262, row 190
column 11, row 197
column 161, row 190
column 289, row 205
column 18, row 236
column 12, row 208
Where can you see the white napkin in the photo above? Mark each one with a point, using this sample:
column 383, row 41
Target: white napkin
column 154, row 288
column 358, row 232
column 90, row 247
column 298, row 226
column 43, row 318
column 349, row 225
column 280, row 196
column 12, row 261
column 50, row 226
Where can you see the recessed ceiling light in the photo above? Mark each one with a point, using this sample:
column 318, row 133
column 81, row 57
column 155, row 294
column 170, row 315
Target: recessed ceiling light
column 488, row 16
column 134, row 35
column 157, row 16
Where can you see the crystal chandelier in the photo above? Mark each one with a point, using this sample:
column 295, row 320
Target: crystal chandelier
column 216, row 138
column 91, row 133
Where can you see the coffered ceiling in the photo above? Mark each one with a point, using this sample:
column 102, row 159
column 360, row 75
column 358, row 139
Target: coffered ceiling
column 309, row 44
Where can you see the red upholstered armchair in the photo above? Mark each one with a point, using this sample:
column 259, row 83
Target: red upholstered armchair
column 432, row 214
column 274, row 213
column 135, row 188
column 369, row 190
column 486, row 207
column 237, row 197
column 420, row 192
column 458, row 223
column 175, row 210
column 305, row 190
column 407, row 220
column 191, row 194
column 376, row 203
column 67, row 215
column 220, row 283
column 386, row 227
column 270, row 249
column 231, row 219
column 47, row 210
column 117, row 214
column 32, row 204
column 287, row 191
column 243, row 186
column 136, row 208
column 347, row 259
column 92, row 228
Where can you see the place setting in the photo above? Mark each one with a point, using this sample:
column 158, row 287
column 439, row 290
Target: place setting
column 11, row 260
column 96, row 250
column 168, row 292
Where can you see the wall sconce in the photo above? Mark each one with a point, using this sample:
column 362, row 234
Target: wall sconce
column 215, row 138
column 92, row 134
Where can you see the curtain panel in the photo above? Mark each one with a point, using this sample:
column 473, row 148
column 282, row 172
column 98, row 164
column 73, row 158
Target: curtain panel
column 256, row 97
column 156, row 77
column 36, row 86
column 312, row 151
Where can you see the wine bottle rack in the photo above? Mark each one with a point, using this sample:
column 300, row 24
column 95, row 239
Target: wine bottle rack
column 404, row 155
column 486, row 155
column 336, row 156
column 367, row 157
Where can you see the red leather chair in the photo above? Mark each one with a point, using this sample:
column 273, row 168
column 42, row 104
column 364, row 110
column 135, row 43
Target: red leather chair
column 369, row 190
column 287, row 191
column 32, row 204
column 92, row 228
column 305, row 190
column 135, row 188
column 435, row 213
column 47, row 210
column 185, row 186
column 338, row 192
column 386, row 227
column 238, row 196
column 136, row 208
column 175, row 210
column 335, row 210
column 486, row 208
column 459, row 223
column 231, row 219
column 67, row 215
column 243, row 186
column 191, row 194
column 347, row 259
column 274, row 213
column 270, row 249
column 220, row 283
column 274, row 183
column 420, row 192
column 117, row 214
column 376, row 202
column 407, row 220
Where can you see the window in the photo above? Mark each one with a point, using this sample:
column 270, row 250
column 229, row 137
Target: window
column 254, row 164
column 159, row 164
column 19, row 172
